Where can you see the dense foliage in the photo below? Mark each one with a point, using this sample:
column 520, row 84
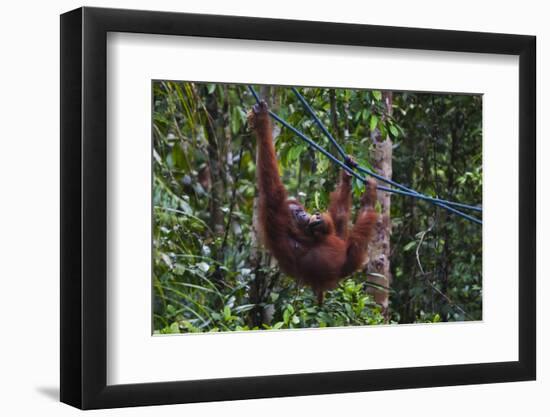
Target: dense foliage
column 210, row 272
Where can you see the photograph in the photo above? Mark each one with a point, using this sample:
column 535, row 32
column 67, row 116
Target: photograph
column 300, row 207
column 272, row 205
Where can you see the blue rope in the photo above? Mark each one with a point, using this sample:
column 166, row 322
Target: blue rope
column 319, row 123
column 352, row 172
column 438, row 201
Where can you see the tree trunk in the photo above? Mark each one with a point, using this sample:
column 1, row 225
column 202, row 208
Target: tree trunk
column 447, row 252
column 379, row 249
column 214, row 135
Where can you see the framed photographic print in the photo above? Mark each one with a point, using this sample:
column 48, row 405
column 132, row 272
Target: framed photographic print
column 257, row 208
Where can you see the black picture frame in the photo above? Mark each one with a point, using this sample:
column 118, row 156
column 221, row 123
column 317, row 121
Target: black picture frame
column 84, row 207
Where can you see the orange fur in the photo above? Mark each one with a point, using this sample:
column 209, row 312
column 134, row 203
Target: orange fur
column 317, row 256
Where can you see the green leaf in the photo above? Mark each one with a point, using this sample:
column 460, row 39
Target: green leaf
column 409, row 246
column 226, row 313
column 323, row 165
column 294, row 153
column 286, row 316
column 235, row 120
column 394, row 131
column 179, row 158
column 174, row 327
column 365, row 115
column 373, row 122
column 377, row 95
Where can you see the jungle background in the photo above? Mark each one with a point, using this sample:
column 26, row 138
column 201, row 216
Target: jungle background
column 210, row 272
